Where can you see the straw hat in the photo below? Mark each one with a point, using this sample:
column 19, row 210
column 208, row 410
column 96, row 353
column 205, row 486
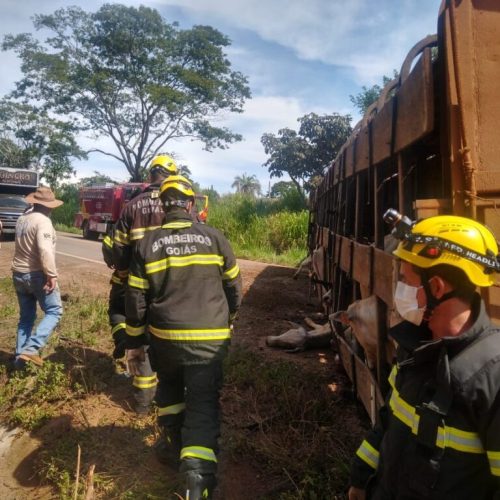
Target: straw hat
column 44, row 196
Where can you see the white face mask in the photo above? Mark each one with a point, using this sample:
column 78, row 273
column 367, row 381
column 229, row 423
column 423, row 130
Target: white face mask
column 405, row 300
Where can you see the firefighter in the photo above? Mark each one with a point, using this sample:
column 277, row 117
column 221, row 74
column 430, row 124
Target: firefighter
column 439, row 433
column 184, row 288
column 141, row 215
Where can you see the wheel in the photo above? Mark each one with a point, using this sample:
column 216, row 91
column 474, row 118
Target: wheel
column 87, row 233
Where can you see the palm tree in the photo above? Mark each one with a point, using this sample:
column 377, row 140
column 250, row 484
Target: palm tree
column 247, row 184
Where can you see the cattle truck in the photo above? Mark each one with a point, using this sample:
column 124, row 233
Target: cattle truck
column 15, row 184
column 428, row 146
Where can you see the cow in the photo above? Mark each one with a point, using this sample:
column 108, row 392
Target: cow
column 299, row 339
column 362, row 318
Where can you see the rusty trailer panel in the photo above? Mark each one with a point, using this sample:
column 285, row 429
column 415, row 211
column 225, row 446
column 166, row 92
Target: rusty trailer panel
column 428, row 146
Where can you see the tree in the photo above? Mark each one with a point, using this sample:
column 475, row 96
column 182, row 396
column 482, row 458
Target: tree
column 280, row 188
column 247, row 184
column 11, row 155
column 368, row 96
column 97, row 178
column 124, row 73
column 184, row 170
column 31, row 138
column 306, row 154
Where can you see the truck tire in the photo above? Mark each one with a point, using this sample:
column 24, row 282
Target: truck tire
column 87, row 233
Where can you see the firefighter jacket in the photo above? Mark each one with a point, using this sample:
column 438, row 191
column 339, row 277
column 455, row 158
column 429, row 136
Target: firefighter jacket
column 439, row 432
column 118, row 277
column 185, row 283
column 142, row 214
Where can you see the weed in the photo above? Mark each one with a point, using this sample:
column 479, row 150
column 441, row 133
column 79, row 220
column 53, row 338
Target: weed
column 27, row 397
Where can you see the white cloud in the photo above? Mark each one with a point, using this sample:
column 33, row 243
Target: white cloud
column 370, row 37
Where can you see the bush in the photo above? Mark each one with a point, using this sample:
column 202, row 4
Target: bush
column 263, row 229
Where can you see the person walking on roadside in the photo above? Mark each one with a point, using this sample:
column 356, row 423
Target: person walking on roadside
column 141, row 215
column 438, row 435
column 184, row 289
column 35, row 277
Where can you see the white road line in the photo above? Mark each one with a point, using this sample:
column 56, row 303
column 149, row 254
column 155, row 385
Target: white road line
column 81, row 258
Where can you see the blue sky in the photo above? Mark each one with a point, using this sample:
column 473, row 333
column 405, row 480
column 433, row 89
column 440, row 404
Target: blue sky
column 299, row 57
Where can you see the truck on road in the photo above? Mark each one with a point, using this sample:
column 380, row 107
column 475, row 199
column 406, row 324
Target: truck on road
column 15, row 184
column 101, row 205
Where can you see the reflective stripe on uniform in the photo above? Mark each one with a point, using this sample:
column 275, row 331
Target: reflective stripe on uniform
column 135, row 331
column 494, row 459
column 231, row 273
column 192, row 335
column 142, row 382
column 137, row 282
column 198, row 452
column 172, row 409
column 108, row 241
column 119, row 326
column 121, row 238
column 188, row 260
column 448, row 437
column 115, row 279
column 138, row 232
column 177, row 225
column 368, row 454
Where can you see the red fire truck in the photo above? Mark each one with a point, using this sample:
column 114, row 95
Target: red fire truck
column 101, row 205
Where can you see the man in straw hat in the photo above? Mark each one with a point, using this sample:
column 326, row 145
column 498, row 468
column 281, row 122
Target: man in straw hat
column 35, row 276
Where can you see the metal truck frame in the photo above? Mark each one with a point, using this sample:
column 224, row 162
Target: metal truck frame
column 429, row 145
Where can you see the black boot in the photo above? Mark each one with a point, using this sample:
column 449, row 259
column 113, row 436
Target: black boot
column 199, row 486
column 168, row 447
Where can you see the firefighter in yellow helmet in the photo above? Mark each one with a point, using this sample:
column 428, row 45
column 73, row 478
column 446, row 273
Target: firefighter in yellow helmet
column 184, row 288
column 439, row 433
column 163, row 164
column 141, row 214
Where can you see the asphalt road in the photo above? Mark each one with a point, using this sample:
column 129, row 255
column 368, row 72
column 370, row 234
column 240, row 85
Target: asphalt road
column 74, row 245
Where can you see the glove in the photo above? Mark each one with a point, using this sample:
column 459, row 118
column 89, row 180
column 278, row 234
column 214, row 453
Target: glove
column 232, row 317
column 134, row 358
column 120, row 340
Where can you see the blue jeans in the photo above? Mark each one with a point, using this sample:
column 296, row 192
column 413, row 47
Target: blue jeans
column 29, row 289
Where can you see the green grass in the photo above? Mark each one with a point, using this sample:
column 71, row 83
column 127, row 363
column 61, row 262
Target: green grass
column 28, row 397
column 261, row 229
column 65, row 228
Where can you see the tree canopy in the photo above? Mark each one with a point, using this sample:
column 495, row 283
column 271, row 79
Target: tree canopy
column 124, row 73
column 29, row 137
column 368, row 95
column 281, row 188
column 305, row 154
column 97, row 178
column 247, row 184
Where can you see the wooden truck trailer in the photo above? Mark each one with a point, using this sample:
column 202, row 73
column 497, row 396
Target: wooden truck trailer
column 430, row 145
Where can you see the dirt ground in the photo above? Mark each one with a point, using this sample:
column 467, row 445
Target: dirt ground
column 272, row 299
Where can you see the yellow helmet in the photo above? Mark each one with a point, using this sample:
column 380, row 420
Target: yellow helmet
column 455, row 241
column 176, row 190
column 163, row 163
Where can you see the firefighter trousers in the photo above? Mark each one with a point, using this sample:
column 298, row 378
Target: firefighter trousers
column 144, row 384
column 188, row 403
